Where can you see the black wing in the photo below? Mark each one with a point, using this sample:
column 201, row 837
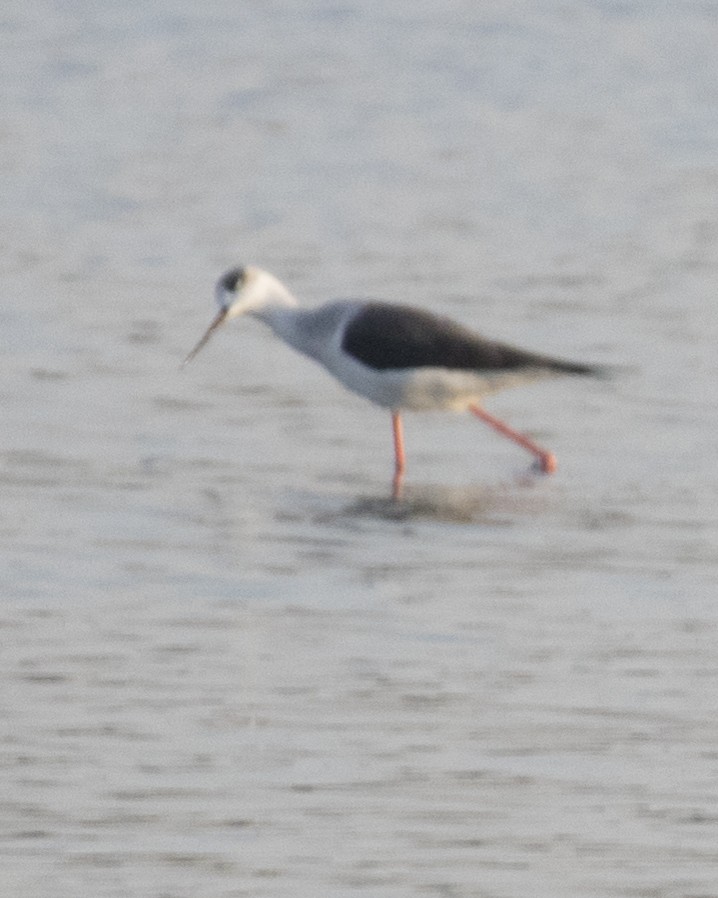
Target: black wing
column 385, row 336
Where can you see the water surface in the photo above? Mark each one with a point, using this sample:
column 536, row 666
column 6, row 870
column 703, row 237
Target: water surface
column 231, row 665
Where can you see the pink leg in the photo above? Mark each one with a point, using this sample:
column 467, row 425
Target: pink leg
column 399, row 455
column 546, row 460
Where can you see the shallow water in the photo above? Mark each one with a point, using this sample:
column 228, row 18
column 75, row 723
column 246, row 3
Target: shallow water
column 231, row 665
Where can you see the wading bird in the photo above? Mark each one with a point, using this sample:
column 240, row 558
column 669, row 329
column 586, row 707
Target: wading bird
column 396, row 356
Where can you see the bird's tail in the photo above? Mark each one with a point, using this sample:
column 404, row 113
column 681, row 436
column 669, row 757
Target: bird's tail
column 564, row 367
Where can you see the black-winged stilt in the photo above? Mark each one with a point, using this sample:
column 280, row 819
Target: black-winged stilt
column 396, row 356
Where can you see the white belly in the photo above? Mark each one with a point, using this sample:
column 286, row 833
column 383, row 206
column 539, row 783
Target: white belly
column 426, row 389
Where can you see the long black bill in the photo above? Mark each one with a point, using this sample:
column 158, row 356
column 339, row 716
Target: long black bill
column 221, row 315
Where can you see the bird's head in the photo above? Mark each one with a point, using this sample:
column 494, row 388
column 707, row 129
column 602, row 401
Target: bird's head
column 242, row 291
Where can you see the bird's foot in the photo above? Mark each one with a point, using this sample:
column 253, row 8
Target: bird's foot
column 545, row 463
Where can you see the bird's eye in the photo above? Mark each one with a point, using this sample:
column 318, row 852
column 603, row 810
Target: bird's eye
column 232, row 279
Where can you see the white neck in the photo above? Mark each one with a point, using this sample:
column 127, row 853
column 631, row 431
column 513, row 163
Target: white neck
column 281, row 318
column 268, row 299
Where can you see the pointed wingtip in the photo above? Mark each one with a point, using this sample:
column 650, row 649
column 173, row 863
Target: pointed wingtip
column 610, row 372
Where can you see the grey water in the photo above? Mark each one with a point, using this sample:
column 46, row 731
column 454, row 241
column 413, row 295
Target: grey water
column 230, row 665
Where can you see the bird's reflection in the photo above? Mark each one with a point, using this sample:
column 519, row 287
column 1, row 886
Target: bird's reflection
column 496, row 504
